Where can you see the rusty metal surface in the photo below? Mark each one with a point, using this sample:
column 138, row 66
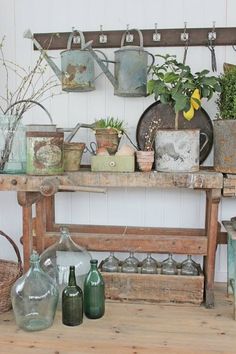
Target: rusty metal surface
column 162, row 116
column 44, row 153
column 225, row 145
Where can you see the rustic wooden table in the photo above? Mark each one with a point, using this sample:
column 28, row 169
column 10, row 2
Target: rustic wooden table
column 40, row 190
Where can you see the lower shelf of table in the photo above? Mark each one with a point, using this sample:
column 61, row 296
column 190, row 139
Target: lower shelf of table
column 154, row 288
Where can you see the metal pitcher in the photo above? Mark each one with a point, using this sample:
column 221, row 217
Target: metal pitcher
column 77, row 65
column 131, row 68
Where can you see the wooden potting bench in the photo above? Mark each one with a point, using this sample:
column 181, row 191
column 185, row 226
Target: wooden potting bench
column 42, row 231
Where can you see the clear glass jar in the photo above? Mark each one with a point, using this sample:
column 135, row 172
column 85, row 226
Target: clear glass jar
column 34, row 298
column 110, row 264
column 57, row 259
column 12, row 145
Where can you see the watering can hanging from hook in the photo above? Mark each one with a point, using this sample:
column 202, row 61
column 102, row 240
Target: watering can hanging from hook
column 131, row 68
column 77, row 66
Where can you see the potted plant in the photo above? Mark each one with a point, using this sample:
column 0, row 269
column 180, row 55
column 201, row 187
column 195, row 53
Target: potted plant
column 225, row 124
column 145, row 157
column 108, row 132
column 174, row 84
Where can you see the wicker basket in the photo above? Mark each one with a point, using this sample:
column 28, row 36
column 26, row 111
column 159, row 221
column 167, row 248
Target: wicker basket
column 9, row 273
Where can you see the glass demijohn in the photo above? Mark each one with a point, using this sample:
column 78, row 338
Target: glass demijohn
column 94, row 293
column 57, row 259
column 189, row 267
column 169, row 266
column 34, row 298
column 72, row 302
column 130, row 264
column 149, row 265
column 110, row 264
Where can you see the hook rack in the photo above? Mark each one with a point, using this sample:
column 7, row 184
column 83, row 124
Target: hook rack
column 168, row 38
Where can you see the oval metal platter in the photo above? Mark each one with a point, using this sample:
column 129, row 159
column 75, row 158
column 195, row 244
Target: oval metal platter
column 162, row 116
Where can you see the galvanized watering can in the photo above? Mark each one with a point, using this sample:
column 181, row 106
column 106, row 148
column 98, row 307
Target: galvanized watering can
column 131, row 68
column 77, row 65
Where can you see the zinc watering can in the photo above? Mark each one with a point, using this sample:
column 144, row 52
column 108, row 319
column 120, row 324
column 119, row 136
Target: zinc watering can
column 77, row 65
column 131, row 68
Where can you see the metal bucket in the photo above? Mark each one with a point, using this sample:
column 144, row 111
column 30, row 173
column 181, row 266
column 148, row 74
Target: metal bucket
column 177, row 150
column 225, row 145
column 44, row 153
column 72, row 156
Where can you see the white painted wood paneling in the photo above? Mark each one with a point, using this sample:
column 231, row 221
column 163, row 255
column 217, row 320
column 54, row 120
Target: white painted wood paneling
column 123, row 207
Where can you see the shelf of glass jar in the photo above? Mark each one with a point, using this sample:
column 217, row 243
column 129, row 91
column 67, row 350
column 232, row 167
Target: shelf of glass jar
column 150, row 265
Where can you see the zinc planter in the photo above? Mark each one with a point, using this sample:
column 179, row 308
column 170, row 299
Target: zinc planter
column 225, row 145
column 177, row 150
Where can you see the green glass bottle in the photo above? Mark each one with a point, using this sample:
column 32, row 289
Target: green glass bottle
column 94, row 292
column 72, row 302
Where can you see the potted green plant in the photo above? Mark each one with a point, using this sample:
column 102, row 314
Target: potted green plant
column 225, row 124
column 174, row 84
column 108, row 132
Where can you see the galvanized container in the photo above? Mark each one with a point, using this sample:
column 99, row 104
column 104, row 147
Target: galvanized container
column 44, row 153
column 177, row 150
column 72, row 156
column 225, row 145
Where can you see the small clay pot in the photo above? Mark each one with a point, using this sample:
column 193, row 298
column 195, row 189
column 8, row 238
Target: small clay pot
column 107, row 138
column 72, row 156
column 145, row 160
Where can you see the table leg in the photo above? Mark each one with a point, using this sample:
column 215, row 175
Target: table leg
column 213, row 199
column 230, row 265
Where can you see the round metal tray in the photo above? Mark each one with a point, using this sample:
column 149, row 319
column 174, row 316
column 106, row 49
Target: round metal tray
column 162, row 116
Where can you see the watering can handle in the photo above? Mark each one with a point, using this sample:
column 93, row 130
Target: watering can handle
column 35, row 102
column 140, row 37
column 205, row 142
column 153, row 60
column 105, row 59
column 74, row 34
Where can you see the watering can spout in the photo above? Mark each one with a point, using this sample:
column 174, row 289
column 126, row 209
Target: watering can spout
column 111, row 78
column 28, row 34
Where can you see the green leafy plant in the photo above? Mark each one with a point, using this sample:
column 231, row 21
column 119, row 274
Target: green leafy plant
column 226, row 102
column 173, row 83
column 110, row 123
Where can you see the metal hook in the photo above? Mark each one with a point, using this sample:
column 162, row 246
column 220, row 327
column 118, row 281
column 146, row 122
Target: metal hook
column 156, row 36
column 234, row 47
column 184, row 35
column 212, row 34
column 76, row 37
column 102, row 36
column 129, row 37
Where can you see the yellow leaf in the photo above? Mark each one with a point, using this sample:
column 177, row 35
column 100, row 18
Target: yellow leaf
column 189, row 114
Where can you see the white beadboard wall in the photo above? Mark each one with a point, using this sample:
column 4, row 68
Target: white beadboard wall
column 141, row 207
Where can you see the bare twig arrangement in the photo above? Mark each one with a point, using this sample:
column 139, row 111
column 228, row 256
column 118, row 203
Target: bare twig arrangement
column 32, row 87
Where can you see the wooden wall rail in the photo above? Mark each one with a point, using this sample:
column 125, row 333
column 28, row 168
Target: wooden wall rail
column 169, row 38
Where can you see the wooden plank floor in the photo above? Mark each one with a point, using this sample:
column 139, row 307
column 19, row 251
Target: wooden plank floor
column 132, row 329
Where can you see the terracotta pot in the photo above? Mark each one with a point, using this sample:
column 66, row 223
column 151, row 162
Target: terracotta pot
column 108, row 139
column 145, row 160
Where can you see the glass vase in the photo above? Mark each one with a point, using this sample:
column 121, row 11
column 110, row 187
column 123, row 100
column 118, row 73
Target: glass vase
column 12, row 145
column 34, row 298
column 57, row 259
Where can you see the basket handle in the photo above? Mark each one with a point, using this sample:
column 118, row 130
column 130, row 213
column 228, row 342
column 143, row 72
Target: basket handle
column 35, row 102
column 16, row 249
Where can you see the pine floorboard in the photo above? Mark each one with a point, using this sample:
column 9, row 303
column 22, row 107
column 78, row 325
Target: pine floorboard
column 129, row 328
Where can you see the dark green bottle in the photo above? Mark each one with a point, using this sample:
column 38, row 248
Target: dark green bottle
column 72, row 302
column 94, row 292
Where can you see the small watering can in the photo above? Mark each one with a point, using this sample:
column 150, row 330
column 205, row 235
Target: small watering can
column 77, row 65
column 131, row 68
